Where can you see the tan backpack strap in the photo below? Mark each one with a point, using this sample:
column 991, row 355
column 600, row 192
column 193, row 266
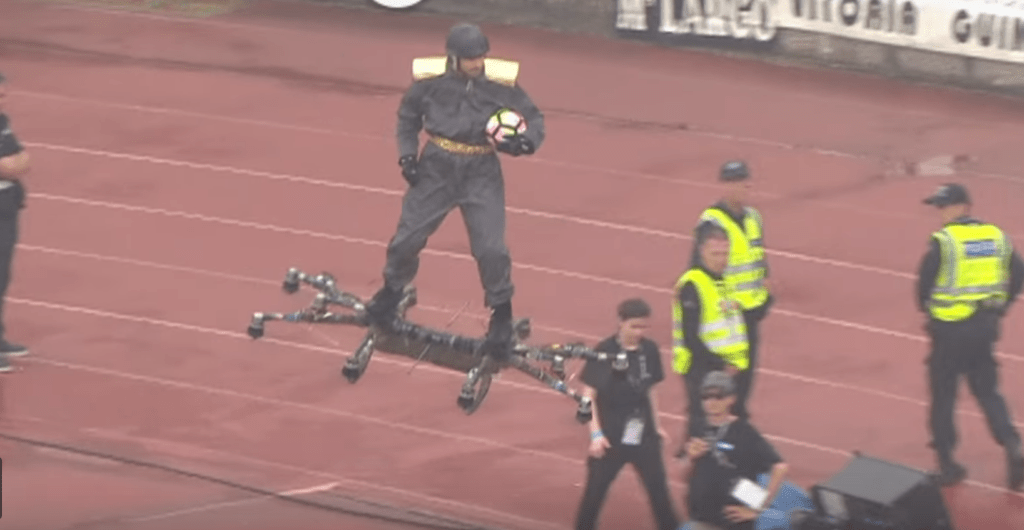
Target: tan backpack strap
column 427, row 67
column 501, row 71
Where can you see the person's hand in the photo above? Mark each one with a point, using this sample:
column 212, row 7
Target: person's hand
column 731, row 369
column 696, row 447
column 739, row 514
column 515, row 146
column 598, row 446
column 409, row 170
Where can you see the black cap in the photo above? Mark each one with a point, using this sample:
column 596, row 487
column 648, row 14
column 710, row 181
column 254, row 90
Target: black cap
column 948, row 195
column 720, row 380
column 733, row 171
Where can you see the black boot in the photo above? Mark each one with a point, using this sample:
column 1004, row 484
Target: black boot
column 383, row 307
column 1015, row 466
column 499, row 331
column 950, row 471
column 11, row 349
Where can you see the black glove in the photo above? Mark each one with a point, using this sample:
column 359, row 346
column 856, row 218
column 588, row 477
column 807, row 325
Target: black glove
column 409, row 170
column 9, row 144
column 517, row 145
column 5, row 136
column 19, row 194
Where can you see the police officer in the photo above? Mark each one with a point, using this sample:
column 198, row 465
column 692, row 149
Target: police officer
column 967, row 281
column 747, row 272
column 14, row 165
column 625, row 427
column 452, row 99
column 708, row 332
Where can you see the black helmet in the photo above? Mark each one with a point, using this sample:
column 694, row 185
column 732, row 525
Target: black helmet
column 467, row 41
column 734, row 170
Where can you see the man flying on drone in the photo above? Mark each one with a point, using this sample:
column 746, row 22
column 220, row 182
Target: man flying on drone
column 452, row 99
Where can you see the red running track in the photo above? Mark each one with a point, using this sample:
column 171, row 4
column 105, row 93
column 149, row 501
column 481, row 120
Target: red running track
column 205, row 157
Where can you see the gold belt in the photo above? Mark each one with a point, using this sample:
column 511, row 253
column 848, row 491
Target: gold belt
column 458, row 147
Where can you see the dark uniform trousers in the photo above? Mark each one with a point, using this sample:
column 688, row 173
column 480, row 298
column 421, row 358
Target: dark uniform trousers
column 475, row 184
column 11, row 202
column 965, row 348
column 745, row 379
column 601, row 472
column 695, row 417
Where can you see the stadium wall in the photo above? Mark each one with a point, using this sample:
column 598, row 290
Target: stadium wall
column 975, row 44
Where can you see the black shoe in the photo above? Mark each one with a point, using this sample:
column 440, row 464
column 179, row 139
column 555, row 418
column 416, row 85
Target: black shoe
column 950, row 473
column 5, row 364
column 383, row 307
column 500, row 332
column 9, row 349
column 1015, row 466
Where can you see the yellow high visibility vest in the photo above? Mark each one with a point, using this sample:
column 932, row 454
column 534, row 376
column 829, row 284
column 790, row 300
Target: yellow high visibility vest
column 746, row 269
column 974, row 267
column 721, row 324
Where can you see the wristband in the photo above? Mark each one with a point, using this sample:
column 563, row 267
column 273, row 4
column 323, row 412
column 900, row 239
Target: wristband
column 595, row 435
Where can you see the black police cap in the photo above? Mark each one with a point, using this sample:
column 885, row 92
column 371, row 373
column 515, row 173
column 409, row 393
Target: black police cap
column 948, row 195
column 734, row 170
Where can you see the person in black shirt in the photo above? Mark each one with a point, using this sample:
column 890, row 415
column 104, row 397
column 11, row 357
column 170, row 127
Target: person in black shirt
column 728, row 450
column 625, row 427
column 966, row 346
column 14, row 165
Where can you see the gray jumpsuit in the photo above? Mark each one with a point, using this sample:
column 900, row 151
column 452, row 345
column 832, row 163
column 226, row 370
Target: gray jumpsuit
column 455, row 107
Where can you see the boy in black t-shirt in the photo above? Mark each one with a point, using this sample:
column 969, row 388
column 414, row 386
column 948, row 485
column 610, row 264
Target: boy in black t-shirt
column 625, row 427
column 730, row 449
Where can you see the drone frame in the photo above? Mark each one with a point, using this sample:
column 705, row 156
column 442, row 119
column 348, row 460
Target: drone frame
column 467, row 352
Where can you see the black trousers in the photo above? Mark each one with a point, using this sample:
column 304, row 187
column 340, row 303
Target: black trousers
column 965, row 349
column 745, row 379
column 475, row 185
column 8, row 241
column 695, row 417
column 649, row 464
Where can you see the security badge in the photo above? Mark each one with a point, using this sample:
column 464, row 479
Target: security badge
column 634, row 431
column 729, row 307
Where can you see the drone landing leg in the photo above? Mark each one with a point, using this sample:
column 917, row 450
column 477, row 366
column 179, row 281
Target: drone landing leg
column 356, row 364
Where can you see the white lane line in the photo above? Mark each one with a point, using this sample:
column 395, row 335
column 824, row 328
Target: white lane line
column 231, row 504
column 466, row 257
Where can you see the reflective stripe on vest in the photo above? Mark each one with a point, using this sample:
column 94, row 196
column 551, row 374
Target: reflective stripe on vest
column 974, row 265
column 722, row 327
column 745, row 272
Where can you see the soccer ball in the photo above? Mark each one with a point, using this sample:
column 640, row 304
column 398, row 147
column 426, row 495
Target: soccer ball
column 505, row 124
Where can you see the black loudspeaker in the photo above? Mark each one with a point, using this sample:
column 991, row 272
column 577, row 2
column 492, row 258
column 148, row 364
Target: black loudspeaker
column 872, row 494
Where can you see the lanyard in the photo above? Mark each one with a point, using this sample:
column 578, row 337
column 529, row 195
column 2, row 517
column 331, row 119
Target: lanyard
column 712, row 442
